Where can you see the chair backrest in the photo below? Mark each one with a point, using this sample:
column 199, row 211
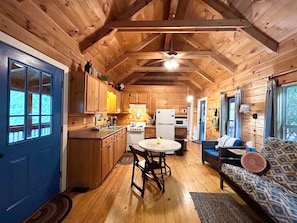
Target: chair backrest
column 136, row 153
column 143, row 154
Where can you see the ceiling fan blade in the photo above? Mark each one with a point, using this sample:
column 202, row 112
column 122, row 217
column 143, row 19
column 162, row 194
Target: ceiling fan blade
column 156, row 62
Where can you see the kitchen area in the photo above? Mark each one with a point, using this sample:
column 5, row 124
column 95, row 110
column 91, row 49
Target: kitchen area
column 96, row 140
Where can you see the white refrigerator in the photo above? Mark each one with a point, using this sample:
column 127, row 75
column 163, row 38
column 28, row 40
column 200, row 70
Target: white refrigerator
column 165, row 126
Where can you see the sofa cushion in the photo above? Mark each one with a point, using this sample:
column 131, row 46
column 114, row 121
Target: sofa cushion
column 222, row 140
column 278, row 201
column 212, row 152
column 228, row 141
column 282, row 158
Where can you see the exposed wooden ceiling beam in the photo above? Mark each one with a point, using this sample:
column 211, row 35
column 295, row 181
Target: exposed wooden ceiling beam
column 118, row 61
column 164, row 55
column 270, row 44
column 163, row 69
column 198, row 30
column 91, row 40
column 179, row 25
column 171, row 13
column 166, row 77
column 159, row 82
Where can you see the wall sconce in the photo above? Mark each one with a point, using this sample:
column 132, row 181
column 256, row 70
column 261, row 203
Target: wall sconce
column 245, row 108
column 190, row 98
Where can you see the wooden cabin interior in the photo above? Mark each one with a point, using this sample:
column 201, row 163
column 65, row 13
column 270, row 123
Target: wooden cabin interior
column 219, row 46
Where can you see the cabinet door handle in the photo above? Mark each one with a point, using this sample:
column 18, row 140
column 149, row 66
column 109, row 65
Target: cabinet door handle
column 1, row 155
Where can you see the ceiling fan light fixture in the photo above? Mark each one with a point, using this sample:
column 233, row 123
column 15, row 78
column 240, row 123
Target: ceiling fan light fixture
column 171, row 64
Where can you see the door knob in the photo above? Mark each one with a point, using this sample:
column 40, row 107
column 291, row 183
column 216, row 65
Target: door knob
column 1, row 155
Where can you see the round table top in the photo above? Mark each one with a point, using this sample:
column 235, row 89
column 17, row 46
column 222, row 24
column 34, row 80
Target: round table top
column 166, row 145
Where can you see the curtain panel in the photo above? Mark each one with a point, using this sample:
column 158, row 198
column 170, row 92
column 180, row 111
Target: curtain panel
column 223, row 114
column 237, row 130
column 270, row 110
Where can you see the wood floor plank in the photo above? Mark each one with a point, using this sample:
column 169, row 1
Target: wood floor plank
column 115, row 201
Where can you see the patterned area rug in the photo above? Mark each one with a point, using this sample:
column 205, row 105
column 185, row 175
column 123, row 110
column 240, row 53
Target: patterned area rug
column 53, row 211
column 126, row 159
column 218, row 208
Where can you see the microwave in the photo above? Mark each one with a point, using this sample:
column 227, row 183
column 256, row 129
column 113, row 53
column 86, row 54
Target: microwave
column 181, row 122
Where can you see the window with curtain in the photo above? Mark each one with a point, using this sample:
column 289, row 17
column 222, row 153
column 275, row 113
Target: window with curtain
column 287, row 112
column 231, row 117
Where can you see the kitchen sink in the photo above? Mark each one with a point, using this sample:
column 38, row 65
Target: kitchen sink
column 111, row 128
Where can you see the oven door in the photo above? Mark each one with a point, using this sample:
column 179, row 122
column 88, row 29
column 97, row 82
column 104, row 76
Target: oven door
column 133, row 137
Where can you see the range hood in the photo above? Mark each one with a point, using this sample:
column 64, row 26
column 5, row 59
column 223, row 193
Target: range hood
column 137, row 106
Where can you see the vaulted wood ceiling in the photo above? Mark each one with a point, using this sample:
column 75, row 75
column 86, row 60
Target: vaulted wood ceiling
column 130, row 39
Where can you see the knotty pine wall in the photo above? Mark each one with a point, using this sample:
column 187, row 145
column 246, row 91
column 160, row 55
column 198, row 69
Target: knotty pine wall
column 252, row 80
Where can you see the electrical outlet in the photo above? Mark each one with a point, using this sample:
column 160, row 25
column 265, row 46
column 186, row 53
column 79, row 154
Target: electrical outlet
column 85, row 121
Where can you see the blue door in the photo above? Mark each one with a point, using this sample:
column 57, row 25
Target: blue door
column 30, row 133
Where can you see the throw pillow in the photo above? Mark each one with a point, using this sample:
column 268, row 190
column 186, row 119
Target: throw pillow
column 253, row 162
column 222, row 140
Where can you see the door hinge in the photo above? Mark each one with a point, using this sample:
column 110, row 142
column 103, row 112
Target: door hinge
column 61, row 129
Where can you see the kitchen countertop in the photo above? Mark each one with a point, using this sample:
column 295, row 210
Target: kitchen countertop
column 89, row 134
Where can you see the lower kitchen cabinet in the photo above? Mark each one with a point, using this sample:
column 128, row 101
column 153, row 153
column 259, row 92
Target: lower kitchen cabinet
column 84, row 163
column 107, row 155
column 90, row 160
column 150, row 132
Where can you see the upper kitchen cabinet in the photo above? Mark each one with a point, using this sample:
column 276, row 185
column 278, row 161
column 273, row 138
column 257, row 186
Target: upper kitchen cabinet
column 102, row 106
column 87, row 94
column 111, row 102
column 133, row 98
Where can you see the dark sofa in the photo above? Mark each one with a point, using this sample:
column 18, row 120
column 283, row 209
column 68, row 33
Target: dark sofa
column 216, row 151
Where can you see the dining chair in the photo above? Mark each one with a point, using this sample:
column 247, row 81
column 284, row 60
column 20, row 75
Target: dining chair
column 161, row 159
column 147, row 165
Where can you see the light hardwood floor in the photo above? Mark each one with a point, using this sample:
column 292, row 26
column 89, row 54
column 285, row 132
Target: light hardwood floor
column 115, row 201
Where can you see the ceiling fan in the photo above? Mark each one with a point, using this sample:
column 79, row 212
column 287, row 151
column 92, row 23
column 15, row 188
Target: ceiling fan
column 171, row 59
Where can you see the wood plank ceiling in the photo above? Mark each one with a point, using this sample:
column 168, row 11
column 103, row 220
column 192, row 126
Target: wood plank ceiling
column 131, row 39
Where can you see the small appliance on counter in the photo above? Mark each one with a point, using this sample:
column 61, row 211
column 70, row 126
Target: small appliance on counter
column 181, row 122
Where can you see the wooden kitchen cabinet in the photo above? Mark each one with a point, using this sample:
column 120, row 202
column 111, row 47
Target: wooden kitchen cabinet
column 84, row 163
column 150, row 132
column 83, row 93
column 102, row 97
column 133, row 98
column 118, row 101
column 87, row 94
column 111, row 102
column 107, row 147
column 117, row 152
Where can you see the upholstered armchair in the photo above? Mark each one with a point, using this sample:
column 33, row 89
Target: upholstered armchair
column 217, row 151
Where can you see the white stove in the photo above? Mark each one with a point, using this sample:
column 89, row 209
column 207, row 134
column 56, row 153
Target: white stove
column 135, row 133
column 136, row 127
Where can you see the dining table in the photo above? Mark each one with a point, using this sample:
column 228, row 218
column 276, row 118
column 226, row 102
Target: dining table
column 161, row 146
